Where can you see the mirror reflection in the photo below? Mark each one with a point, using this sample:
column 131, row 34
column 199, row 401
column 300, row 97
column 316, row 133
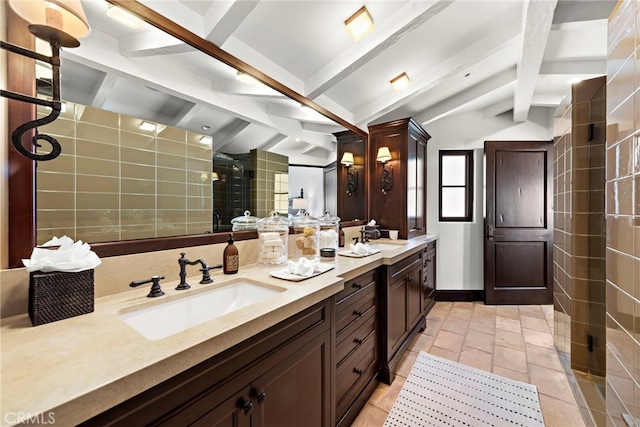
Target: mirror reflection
column 160, row 139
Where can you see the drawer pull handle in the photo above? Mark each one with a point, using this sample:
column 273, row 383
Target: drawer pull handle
column 259, row 395
column 357, row 285
column 357, row 371
column 410, row 279
column 357, row 341
column 357, row 313
column 246, row 407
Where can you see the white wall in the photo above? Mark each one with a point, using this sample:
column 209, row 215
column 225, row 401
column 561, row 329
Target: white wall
column 311, row 179
column 460, row 245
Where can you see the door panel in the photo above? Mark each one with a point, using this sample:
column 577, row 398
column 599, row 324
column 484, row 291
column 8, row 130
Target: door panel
column 518, row 223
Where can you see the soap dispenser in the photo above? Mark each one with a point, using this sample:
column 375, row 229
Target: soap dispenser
column 230, row 258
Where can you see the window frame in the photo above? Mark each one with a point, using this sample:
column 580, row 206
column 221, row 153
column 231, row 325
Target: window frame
column 468, row 185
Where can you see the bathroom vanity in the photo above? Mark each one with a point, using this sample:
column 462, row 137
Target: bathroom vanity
column 311, row 354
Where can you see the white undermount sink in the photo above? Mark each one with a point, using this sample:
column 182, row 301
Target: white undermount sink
column 387, row 246
column 171, row 316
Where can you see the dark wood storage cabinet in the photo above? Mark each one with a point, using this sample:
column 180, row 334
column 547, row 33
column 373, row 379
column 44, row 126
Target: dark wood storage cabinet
column 351, row 207
column 282, row 377
column 404, row 207
column 402, row 311
column 428, row 276
column 356, row 346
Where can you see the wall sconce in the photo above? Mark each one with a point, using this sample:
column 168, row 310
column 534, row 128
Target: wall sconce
column 59, row 23
column 352, row 177
column 215, row 177
column 300, row 203
column 384, row 155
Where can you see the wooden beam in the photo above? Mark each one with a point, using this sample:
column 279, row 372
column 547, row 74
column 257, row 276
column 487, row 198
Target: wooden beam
column 537, row 27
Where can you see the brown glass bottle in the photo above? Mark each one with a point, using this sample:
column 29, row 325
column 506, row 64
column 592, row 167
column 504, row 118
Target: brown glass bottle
column 341, row 237
column 230, row 258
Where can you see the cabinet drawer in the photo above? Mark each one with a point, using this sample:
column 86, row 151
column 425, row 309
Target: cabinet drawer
column 401, row 267
column 350, row 309
column 355, row 370
column 354, row 335
column 356, row 284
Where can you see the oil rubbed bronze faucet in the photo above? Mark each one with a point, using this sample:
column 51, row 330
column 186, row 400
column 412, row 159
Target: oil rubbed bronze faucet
column 206, row 276
column 155, row 291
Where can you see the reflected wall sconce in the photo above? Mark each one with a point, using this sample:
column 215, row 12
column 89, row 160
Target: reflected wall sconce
column 352, row 177
column 300, row 203
column 384, row 155
column 215, row 177
column 58, row 22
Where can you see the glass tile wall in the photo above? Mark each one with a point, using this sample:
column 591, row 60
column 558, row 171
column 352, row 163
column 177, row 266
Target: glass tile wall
column 267, row 166
column 623, row 216
column 579, row 240
column 115, row 181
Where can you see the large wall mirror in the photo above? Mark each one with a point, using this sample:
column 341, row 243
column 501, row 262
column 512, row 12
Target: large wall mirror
column 161, row 140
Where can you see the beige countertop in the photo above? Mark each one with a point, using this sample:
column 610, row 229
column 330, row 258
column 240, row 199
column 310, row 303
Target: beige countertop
column 73, row 369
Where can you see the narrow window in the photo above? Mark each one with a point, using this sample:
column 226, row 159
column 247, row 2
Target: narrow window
column 456, row 185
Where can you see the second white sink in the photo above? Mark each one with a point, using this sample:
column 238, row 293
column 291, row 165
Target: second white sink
column 172, row 316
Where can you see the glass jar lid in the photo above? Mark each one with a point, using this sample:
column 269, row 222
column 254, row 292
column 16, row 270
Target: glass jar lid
column 328, row 219
column 245, row 222
column 273, row 222
column 305, row 220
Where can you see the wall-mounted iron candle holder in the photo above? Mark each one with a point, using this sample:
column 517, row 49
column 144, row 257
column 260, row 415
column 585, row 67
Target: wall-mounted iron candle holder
column 352, row 176
column 384, row 155
column 58, row 23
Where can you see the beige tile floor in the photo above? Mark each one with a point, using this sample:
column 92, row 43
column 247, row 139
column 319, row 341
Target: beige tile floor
column 512, row 341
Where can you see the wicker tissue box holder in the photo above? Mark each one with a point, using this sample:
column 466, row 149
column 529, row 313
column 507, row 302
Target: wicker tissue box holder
column 59, row 295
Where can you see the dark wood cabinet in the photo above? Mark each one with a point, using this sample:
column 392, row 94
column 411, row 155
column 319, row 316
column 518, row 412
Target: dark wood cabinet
column 352, row 205
column 428, row 276
column 404, row 206
column 281, row 377
column 356, row 346
column 401, row 312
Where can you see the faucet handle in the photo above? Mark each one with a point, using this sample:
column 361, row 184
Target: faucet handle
column 155, row 291
column 356, row 239
column 206, row 276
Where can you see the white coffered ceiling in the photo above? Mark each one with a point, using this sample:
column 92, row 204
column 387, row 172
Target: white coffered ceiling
column 496, row 56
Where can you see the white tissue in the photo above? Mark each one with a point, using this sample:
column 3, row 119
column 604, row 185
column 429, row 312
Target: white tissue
column 304, row 267
column 372, row 223
column 360, row 249
column 70, row 256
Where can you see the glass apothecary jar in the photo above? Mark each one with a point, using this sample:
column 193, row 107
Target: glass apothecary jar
column 273, row 237
column 329, row 231
column 306, row 229
column 244, row 222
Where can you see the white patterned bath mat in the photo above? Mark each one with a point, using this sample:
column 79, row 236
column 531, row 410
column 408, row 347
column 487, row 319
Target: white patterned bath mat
column 439, row 392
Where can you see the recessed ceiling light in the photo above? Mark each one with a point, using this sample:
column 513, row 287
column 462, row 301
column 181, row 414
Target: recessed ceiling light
column 359, row 24
column 206, row 140
column 124, row 17
column 400, row 82
column 467, row 75
column 246, row 78
column 147, row 126
column 206, row 127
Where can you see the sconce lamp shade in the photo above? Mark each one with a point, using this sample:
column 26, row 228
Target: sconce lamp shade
column 65, row 16
column 347, row 159
column 300, row 204
column 384, row 155
column 215, row 177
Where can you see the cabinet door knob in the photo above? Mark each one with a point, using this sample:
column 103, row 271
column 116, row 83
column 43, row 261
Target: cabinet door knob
column 357, row 285
column 258, row 395
column 246, row 407
column 357, row 313
column 357, row 341
column 357, row 371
